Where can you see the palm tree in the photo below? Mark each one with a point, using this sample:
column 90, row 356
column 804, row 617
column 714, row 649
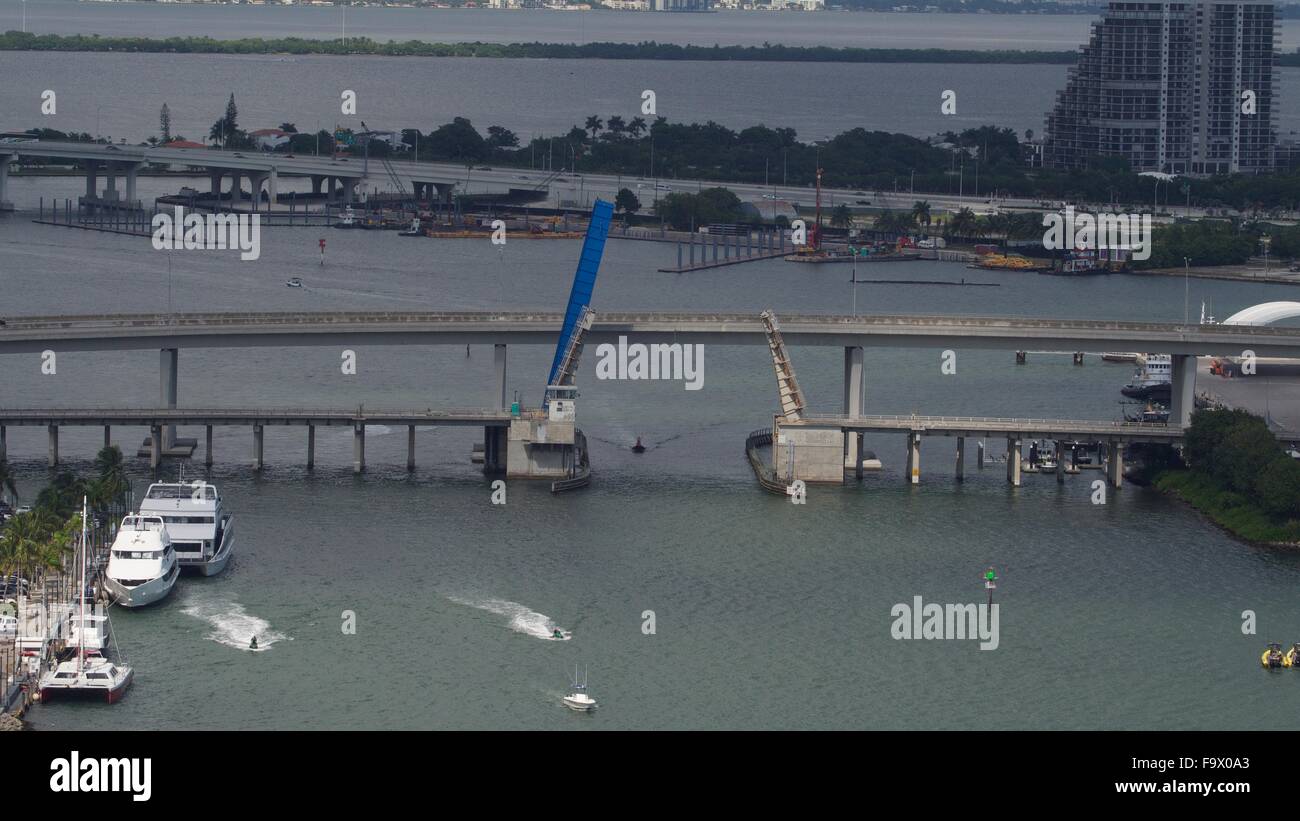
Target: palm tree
column 7, row 481
column 616, row 126
column 111, row 486
column 963, row 223
column 23, row 539
column 594, row 124
column 921, row 213
column 841, row 217
column 635, row 126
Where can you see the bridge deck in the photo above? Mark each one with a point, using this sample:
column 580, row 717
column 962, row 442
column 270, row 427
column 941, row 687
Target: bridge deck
column 976, row 426
column 249, row 416
column 220, row 330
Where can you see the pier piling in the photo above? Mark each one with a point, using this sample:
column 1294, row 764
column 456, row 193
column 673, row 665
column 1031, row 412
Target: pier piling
column 108, row 436
column 1060, row 463
column 207, row 445
column 1013, row 462
column 257, row 447
column 358, row 448
column 54, row 446
column 311, row 447
column 961, row 457
column 410, row 447
column 979, row 455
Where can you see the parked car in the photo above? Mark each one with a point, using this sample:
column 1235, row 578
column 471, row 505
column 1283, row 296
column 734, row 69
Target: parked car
column 14, row 585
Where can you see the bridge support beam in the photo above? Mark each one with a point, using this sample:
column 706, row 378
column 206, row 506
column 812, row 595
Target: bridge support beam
column 1013, row 462
column 311, row 447
column 961, row 458
column 236, row 188
column 499, row 361
column 979, row 455
column 914, row 458
column 92, row 179
column 349, row 190
column 5, row 204
column 54, row 446
column 110, row 181
column 215, row 178
column 854, row 395
column 358, row 447
column 410, row 447
column 131, row 170
column 4, row 449
column 257, row 447
column 108, row 436
column 167, row 390
column 1115, row 464
column 1060, row 462
column 329, row 189
column 316, row 183
column 207, row 446
column 155, row 446
column 1182, row 397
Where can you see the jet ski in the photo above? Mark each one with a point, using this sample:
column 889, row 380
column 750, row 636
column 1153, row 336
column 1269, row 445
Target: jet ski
column 1273, row 657
column 638, row 447
column 1291, row 658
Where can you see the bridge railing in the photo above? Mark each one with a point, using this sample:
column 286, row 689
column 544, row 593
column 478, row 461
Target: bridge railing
column 989, row 420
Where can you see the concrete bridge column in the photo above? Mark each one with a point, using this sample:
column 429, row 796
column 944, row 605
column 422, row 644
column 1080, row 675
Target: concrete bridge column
column 54, row 445
column 857, row 462
column 131, row 170
column 316, row 183
column 1013, row 461
column 215, row 177
column 1060, row 462
column 4, row 449
column 5, row 204
column 410, row 447
column 329, row 191
column 110, row 181
column 236, row 188
column 1115, row 464
column 914, row 458
column 499, row 360
column 358, row 447
column 854, row 395
column 1182, row 397
column 92, row 179
column 311, row 447
column 108, row 436
column 349, row 190
column 155, row 446
column 272, row 189
column 207, row 446
column 961, row 458
column 257, row 447
column 167, row 391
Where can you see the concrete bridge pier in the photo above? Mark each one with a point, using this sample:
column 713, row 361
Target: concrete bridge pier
column 854, row 399
column 92, row 179
column 979, row 455
column 132, row 169
column 4, row 449
column 207, row 446
column 316, row 183
column 349, row 190
column 1060, row 462
column 236, row 188
column 167, row 390
column 215, row 177
column 358, row 447
column 108, row 436
column 54, row 445
column 1115, row 464
column 914, row 457
column 5, row 204
column 410, row 447
column 1182, row 397
column 257, row 447
column 1013, row 462
column 110, row 181
column 961, row 458
column 330, row 195
column 311, row 447
column 155, row 446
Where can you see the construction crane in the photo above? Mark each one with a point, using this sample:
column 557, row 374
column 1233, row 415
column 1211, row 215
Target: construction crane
column 792, row 400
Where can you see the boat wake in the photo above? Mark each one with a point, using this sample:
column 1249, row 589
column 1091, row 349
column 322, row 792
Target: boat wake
column 521, row 619
column 232, row 625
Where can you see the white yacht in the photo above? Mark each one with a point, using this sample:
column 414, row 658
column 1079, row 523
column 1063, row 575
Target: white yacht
column 577, row 699
column 202, row 533
column 142, row 566
column 88, row 672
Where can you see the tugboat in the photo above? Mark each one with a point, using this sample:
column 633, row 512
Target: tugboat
column 1152, row 380
column 638, row 447
column 1272, row 658
column 578, row 699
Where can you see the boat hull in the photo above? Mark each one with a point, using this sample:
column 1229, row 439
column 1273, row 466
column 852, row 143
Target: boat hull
column 111, row 695
column 1147, row 391
column 219, row 560
column 151, row 592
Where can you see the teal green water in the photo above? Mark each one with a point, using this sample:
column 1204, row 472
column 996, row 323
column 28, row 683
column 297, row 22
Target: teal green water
column 767, row 614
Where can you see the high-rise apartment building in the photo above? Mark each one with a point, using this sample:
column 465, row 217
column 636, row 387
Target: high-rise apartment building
column 1179, row 87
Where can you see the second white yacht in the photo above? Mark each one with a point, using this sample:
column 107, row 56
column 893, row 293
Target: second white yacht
column 142, row 566
column 202, row 533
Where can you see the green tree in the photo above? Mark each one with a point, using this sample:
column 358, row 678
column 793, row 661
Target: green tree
column 626, row 201
column 841, row 217
column 594, row 124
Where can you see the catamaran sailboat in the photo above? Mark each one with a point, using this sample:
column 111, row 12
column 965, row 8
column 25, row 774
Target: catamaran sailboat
column 87, row 673
column 142, row 566
column 202, row 533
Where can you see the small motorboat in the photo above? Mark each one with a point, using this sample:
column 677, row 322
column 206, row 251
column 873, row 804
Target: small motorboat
column 577, row 699
column 1273, row 658
column 294, row 282
column 638, row 447
column 560, row 635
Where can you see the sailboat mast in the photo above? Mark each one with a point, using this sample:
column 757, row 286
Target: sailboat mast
column 81, row 591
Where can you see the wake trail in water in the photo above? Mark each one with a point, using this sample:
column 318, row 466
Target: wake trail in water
column 520, row 618
column 232, row 625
